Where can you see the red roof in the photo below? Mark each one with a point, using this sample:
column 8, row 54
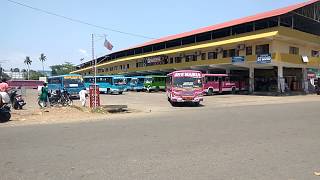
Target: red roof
column 256, row 17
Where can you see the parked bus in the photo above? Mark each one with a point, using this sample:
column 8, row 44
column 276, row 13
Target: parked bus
column 29, row 84
column 70, row 82
column 137, row 83
column 219, row 83
column 107, row 84
column 184, row 86
column 154, row 83
column 128, row 87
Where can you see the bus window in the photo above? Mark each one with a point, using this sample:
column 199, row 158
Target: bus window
column 55, row 80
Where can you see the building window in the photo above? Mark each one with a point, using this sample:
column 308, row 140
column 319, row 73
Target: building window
column 212, row 55
column 262, row 49
column 249, row 50
column 177, row 59
column 315, row 53
column 171, row 60
column 225, row 53
column 293, row 50
column 191, row 58
column 232, row 53
column 203, row 56
column 128, row 66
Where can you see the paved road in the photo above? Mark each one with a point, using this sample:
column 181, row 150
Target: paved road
column 249, row 142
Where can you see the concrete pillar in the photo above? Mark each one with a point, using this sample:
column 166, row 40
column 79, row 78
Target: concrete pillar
column 305, row 85
column 227, row 71
column 281, row 82
column 251, row 79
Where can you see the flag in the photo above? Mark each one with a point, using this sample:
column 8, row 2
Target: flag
column 108, row 45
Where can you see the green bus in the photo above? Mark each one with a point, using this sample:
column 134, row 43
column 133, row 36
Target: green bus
column 155, row 83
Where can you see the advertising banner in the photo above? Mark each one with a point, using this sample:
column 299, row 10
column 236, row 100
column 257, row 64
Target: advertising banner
column 94, row 96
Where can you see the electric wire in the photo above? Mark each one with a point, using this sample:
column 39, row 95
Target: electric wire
column 78, row 21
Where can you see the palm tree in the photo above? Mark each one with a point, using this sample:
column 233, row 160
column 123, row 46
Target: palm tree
column 42, row 58
column 28, row 62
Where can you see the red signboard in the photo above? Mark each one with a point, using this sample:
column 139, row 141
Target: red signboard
column 94, row 96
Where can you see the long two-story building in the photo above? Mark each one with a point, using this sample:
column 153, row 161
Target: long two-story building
column 272, row 50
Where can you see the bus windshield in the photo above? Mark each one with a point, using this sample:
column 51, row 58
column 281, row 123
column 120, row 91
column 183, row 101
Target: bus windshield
column 72, row 81
column 148, row 80
column 88, row 80
column 119, row 81
column 187, row 82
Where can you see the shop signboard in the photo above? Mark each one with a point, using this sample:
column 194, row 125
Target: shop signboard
column 155, row 60
column 237, row 60
column 264, row 59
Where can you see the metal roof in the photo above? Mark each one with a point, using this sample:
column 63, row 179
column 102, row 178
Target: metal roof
column 235, row 22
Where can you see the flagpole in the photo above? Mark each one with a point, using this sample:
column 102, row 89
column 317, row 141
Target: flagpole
column 95, row 72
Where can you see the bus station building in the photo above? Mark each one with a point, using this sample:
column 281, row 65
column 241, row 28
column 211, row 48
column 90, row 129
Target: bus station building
column 272, row 50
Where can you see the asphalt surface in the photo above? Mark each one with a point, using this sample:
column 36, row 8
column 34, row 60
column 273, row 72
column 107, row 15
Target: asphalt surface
column 275, row 141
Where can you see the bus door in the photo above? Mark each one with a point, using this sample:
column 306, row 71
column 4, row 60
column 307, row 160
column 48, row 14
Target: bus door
column 220, row 84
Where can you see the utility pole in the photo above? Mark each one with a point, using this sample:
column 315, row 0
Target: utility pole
column 95, row 71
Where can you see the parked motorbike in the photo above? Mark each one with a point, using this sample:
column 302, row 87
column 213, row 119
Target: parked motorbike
column 59, row 97
column 5, row 114
column 16, row 100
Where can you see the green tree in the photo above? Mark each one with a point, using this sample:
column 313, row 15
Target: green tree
column 61, row 69
column 34, row 75
column 28, row 62
column 42, row 58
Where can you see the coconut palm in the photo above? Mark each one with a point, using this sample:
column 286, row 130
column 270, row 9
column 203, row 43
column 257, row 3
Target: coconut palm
column 42, row 58
column 28, row 62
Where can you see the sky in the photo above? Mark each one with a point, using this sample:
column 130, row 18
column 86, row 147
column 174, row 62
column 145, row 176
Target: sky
column 26, row 32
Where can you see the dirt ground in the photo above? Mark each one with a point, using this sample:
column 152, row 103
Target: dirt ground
column 139, row 104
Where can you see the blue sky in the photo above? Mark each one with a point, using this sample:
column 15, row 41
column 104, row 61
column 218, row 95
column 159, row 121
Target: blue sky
column 25, row 32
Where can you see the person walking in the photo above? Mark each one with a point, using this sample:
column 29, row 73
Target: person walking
column 43, row 97
column 82, row 95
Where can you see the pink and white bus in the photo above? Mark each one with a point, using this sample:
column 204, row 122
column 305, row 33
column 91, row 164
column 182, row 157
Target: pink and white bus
column 219, row 83
column 184, row 86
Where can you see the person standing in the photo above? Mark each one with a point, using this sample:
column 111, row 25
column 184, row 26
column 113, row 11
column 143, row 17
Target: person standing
column 43, row 98
column 4, row 88
column 82, row 95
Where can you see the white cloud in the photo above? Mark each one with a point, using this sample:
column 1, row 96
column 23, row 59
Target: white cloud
column 83, row 52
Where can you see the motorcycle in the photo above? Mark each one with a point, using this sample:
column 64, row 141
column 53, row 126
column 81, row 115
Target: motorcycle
column 16, row 100
column 59, row 97
column 5, row 114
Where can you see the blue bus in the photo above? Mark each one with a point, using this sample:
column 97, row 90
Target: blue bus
column 137, row 83
column 128, row 79
column 71, row 82
column 107, row 84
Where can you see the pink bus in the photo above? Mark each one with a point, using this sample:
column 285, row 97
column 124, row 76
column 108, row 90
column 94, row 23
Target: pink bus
column 184, row 86
column 219, row 83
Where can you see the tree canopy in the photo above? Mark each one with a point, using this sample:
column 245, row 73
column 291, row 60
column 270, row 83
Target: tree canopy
column 61, row 69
